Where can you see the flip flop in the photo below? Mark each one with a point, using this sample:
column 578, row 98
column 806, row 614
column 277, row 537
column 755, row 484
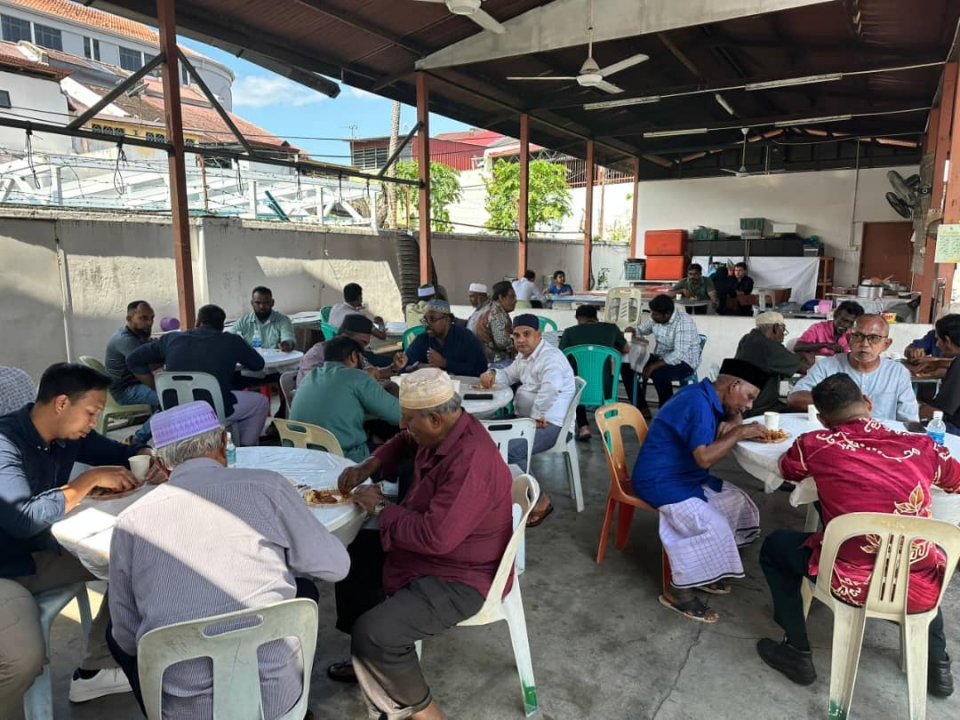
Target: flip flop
column 584, row 437
column 694, row 609
column 717, row 588
column 533, row 520
column 342, row 672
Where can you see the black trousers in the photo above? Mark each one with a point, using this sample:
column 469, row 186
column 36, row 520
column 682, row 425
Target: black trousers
column 662, row 378
column 785, row 564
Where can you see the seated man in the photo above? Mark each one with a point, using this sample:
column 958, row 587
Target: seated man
column 926, row 359
column 16, row 389
column 478, row 301
column 589, row 331
column 413, row 312
column 829, row 337
column 559, row 285
column 677, row 353
column 763, row 347
column 274, row 550
column 527, row 291
column 494, row 327
column 339, row 396
column 21, row 646
column 546, row 390
column 885, row 382
column 445, row 345
column 353, row 305
column 947, row 398
column 125, row 388
column 208, row 349
column 39, row 444
column 697, row 287
column 703, row 520
column 859, row 466
column 360, row 328
column 436, row 553
column 738, row 290
column 274, row 329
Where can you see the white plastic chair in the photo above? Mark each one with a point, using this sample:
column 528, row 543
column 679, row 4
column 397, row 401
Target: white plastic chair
column 886, row 599
column 502, row 432
column 179, row 388
column 510, row 608
column 567, row 446
column 38, row 700
column 288, row 386
column 236, row 674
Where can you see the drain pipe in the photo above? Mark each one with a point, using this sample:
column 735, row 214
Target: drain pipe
column 66, row 299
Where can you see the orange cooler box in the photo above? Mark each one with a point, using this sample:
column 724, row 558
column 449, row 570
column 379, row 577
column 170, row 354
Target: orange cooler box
column 665, row 267
column 665, row 242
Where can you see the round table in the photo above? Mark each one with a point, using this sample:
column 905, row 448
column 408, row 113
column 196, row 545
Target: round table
column 275, row 361
column 483, row 409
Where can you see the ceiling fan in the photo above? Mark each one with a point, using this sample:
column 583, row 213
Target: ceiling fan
column 592, row 75
column 471, row 10
column 742, row 172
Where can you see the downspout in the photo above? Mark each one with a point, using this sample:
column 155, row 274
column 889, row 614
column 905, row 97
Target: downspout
column 65, row 297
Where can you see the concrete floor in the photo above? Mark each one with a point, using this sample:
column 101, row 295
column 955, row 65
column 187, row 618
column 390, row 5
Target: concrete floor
column 602, row 646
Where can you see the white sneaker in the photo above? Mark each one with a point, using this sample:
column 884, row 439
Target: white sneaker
column 109, row 681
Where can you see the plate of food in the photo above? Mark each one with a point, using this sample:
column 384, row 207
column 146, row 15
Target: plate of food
column 324, row 497
column 299, row 486
column 100, row 493
column 773, row 437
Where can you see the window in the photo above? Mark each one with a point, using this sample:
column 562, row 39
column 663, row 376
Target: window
column 5, row 99
column 91, row 49
column 131, row 60
column 15, row 29
column 47, row 37
column 184, row 75
column 370, row 158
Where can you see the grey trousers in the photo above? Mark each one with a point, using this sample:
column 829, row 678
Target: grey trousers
column 543, row 439
column 382, row 642
column 21, row 646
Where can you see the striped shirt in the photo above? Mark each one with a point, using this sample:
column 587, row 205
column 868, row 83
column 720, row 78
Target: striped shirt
column 215, row 540
column 677, row 339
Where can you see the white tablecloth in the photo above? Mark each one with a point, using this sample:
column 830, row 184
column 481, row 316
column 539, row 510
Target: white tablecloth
column 483, row 409
column 275, row 361
column 86, row 531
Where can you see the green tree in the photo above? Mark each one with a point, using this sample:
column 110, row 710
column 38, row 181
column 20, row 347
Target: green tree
column 445, row 190
column 549, row 197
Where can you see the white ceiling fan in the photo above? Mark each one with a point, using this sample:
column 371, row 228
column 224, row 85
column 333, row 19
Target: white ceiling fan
column 592, row 75
column 742, row 172
column 471, row 10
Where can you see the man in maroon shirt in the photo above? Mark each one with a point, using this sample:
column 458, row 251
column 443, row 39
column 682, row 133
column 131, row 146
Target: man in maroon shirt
column 437, row 551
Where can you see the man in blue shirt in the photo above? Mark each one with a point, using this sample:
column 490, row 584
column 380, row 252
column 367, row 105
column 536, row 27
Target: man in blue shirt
column 445, row 345
column 703, row 520
column 208, row 349
column 39, row 445
column 125, row 387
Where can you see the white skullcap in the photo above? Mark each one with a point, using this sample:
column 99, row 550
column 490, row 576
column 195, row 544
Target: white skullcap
column 426, row 388
column 478, row 288
column 769, row 318
column 425, row 291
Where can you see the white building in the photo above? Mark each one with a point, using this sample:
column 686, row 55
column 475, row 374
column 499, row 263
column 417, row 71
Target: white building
column 30, row 91
column 74, row 29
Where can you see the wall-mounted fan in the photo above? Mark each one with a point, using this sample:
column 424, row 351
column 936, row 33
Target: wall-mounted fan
column 907, row 193
column 471, row 10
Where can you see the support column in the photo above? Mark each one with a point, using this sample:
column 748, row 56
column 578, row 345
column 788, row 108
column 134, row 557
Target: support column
column 179, row 212
column 588, row 218
column 951, row 206
column 423, row 161
column 523, row 203
column 635, row 208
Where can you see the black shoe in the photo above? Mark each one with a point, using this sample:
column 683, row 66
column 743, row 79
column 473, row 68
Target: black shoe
column 939, row 678
column 797, row 665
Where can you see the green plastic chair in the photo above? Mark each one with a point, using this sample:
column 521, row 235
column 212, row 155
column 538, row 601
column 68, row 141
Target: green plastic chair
column 411, row 333
column 546, row 323
column 592, row 363
column 329, row 331
column 113, row 409
column 325, row 313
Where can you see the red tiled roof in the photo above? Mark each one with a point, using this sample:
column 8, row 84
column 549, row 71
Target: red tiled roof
column 11, row 57
column 89, row 16
column 473, row 136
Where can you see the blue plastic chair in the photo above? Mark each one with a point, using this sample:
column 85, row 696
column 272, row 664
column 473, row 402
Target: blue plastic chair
column 692, row 378
column 411, row 333
column 592, row 363
column 329, row 331
column 325, row 313
column 547, row 323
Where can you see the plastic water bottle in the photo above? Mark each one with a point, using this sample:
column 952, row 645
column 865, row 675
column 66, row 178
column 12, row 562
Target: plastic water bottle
column 231, row 452
column 257, row 340
column 936, row 429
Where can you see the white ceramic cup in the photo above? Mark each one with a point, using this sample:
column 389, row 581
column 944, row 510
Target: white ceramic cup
column 812, row 413
column 771, row 420
column 139, row 464
column 679, row 297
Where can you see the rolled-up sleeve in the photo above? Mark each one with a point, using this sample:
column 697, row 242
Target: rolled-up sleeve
column 23, row 514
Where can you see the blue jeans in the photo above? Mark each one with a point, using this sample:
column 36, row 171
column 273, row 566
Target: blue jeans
column 136, row 395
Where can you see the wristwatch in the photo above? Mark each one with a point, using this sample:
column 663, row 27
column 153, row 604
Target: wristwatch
column 378, row 508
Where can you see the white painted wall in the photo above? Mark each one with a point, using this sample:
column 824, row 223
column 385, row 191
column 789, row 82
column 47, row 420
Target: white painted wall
column 32, row 98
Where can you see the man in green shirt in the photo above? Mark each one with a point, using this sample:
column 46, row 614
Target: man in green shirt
column 589, row 331
column 339, row 397
column 763, row 347
column 275, row 328
column 697, row 287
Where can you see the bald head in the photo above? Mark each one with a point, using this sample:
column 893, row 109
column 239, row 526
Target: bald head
column 869, row 337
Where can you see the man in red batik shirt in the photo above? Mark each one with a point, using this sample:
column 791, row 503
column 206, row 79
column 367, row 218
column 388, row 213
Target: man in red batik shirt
column 859, row 465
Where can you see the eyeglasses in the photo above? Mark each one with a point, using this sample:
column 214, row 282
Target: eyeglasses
column 858, row 337
column 433, row 319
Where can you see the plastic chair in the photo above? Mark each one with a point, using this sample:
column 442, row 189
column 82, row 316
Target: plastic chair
column 692, row 378
column 325, row 313
column 526, row 491
column 624, row 306
column 38, row 700
column 328, row 330
column 112, row 408
column 591, row 363
column 178, row 388
column 410, row 333
column 547, row 323
column 566, row 445
column 236, row 669
column 611, row 419
column 886, row 598
column 288, row 386
column 502, row 432
column 307, row 437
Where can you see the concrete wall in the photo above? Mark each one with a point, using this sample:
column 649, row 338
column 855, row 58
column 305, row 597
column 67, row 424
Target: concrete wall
column 32, row 98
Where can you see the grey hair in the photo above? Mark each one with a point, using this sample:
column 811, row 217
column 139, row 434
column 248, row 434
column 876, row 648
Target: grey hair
column 445, row 408
column 193, row 447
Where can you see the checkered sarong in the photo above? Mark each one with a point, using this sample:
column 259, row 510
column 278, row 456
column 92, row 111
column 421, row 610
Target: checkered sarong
column 701, row 538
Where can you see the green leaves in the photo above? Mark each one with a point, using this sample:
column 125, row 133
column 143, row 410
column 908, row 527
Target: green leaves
column 549, row 197
column 445, row 190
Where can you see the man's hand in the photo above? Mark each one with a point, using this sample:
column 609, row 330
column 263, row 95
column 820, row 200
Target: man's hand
column 113, row 478
column 913, row 353
column 399, row 361
column 356, row 474
column 287, row 346
column 156, row 473
column 541, row 422
column 367, row 497
column 836, row 347
column 436, row 359
column 372, row 372
column 379, row 321
column 488, row 379
column 651, row 368
column 752, row 431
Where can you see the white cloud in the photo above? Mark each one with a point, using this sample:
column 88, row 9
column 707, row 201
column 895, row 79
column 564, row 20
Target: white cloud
column 264, row 90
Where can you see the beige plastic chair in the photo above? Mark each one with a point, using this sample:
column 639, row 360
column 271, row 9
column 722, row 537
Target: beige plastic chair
column 510, row 608
column 113, row 409
column 567, row 446
column 288, row 386
column 307, row 437
column 886, row 599
column 624, row 306
column 236, row 673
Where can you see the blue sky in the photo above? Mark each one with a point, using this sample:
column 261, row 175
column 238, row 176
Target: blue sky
column 295, row 113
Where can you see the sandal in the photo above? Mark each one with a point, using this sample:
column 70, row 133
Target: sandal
column 716, row 588
column 534, row 520
column 584, row 435
column 342, row 672
column 694, row 609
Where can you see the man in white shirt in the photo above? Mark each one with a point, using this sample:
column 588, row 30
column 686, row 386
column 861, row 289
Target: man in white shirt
column 527, row 291
column 885, row 382
column 546, row 390
column 479, row 300
column 353, row 305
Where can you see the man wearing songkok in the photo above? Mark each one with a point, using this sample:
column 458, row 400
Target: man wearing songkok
column 413, row 312
column 703, row 520
column 546, row 390
column 886, row 382
column 213, row 540
column 445, row 345
column 859, row 466
column 433, row 560
column 478, row 301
